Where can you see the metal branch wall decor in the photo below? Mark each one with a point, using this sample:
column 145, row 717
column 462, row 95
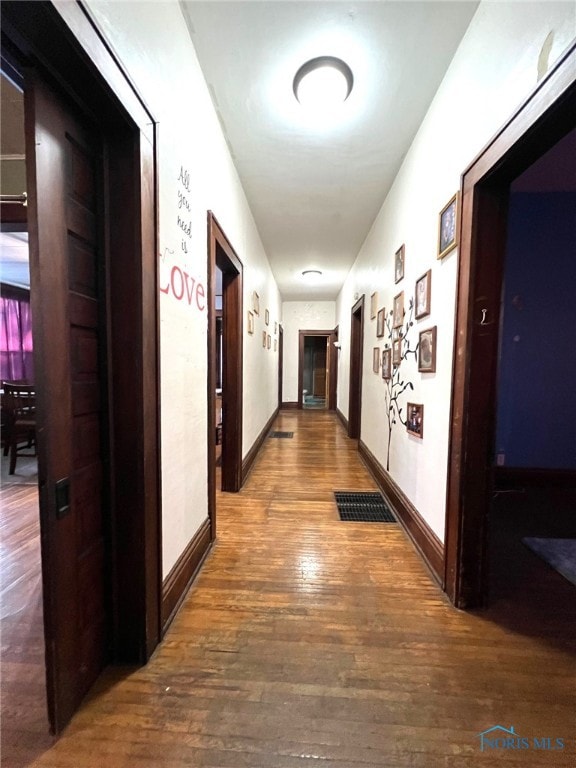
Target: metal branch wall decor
column 399, row 340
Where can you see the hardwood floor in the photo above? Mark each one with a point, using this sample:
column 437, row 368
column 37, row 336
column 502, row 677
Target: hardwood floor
column 306, row 641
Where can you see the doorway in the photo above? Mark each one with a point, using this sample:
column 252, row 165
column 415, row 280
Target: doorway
column 545, row 118
column 94, row 291
column 317, row 370
column 356, row 348
column 224, row 362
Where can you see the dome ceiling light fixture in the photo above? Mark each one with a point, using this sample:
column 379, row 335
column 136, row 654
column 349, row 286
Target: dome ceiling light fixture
column 311, row 275
column 325, row 81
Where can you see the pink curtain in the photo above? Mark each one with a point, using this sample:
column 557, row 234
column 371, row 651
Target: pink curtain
column 16, row 340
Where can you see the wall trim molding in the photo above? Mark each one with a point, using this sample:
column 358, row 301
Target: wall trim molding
column 533, row 477
column 183, row 573
column 423, row 537
column 343, row 419
column 250, row 457
column 289, row 405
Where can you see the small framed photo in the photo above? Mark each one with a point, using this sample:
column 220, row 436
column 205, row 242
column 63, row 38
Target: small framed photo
column 398, row 311
column 415, row 421
column 255, row 303
column 397, row 351
column 264, row 339
column 381, row 323
column 399, row 264
column 275, row 327
column 268, row 340
column 275, row 345
column 387, row 364
column 427, row 351
column 422, row 303
column 373, row 305
column 250, row 322
column 448, row 227
column 267, row 317
column 376, row 359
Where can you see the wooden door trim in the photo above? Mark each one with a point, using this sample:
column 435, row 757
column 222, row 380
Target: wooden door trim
column 545, row 116
column 356, row 359
column 76, row 59
column 280, row 364
column 332, row 373
column 222, row 254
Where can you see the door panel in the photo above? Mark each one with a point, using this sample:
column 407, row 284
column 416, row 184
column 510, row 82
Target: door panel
column 67, row 309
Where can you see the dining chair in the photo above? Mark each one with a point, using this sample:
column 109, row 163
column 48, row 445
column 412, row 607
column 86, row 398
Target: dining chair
column 19, row 403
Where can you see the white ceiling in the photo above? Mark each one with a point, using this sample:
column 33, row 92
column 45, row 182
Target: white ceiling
column 315, row 187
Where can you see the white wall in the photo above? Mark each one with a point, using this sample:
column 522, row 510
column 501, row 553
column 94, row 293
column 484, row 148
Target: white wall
column 196, row 174
column 301, row 316
column 494, row 69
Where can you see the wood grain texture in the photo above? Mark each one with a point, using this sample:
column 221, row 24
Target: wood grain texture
column 306, row 641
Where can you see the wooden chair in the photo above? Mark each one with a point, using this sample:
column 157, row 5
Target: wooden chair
column 19, row 403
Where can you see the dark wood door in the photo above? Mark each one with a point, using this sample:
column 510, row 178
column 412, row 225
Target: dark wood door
column 64, row 159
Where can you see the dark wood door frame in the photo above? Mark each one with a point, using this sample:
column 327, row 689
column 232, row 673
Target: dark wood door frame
column 280, row 364
column 332, row 371
column 356, row 357
column 221, row 254
column 546, row 116
column 67, row 51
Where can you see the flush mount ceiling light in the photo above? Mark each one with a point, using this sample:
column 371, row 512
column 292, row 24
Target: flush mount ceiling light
column 323, row 82
column 311, row 275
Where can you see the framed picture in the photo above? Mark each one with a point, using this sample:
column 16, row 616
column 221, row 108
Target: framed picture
column 264, row 339
column 267, row 317
column 275, row 345
column 422, row 291
column 415, row 422
column 255, row 303
column 268, row 340
column 373, row 305
column 250, row 322
column 427, row 351
column 397, row 351
column 399, row 264
column 398, row 311
column 448, row 227
column 381, row 323
column 387, row 364
column 376, row 359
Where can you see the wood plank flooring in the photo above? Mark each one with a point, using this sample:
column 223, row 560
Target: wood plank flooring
column 306, row 641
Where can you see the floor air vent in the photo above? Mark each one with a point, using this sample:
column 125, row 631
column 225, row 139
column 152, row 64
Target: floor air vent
column 281, row 434
column 368, row 507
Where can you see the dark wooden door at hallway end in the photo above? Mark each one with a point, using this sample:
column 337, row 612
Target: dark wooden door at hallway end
column 64, row 158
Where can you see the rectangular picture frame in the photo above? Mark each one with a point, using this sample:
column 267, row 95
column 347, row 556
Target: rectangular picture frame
column 264, row 339
column 255, row 303
column 373, row 305
column 398, row 310
column 267, row 317
column 422, row 295
column 381, row 323
column 415, row 419
column 448, row 226
column 427, row 350
column 399, row 264
column 397, row 351
column 376, row 359
column 250, row 322
column 386, row 364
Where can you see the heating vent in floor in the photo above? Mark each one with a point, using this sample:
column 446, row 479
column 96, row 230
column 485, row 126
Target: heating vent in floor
column 281, row 434
column 363, row 507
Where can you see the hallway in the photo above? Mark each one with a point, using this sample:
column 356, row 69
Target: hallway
column 308, row 641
